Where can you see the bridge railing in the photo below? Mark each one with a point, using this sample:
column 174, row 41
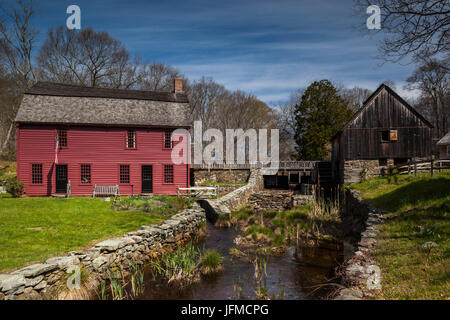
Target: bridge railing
column 282, row 165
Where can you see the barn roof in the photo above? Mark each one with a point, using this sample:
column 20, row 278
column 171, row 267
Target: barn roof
column 445, row 140
column 53, row 103
column 373, row 95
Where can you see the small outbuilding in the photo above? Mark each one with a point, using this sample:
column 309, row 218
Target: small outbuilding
column 444, row 147
column 385, row 131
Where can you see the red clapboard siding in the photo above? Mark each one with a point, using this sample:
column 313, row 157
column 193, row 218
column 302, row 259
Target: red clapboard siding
column 104, row 149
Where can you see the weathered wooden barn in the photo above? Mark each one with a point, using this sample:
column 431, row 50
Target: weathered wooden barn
column 385, row 131
column 96, row 136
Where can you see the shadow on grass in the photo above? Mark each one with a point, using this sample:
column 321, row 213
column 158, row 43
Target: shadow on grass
column 420, row 225
column 415, row 193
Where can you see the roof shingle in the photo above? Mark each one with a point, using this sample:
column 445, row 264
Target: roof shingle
column 65, row 90
column 57, row 103
column 445, row 140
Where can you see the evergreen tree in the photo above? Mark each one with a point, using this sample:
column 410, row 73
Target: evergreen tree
column 320, row 114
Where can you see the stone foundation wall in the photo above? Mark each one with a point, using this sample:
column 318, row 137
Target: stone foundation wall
column 225, row 176
column 234, row 200
column 301, row 199
column 45, row 280
column 273, row 200
column 355, row 170
column 361, row 276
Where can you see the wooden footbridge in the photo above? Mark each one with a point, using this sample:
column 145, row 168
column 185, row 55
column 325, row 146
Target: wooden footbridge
column 291, row 172
column 281, row 165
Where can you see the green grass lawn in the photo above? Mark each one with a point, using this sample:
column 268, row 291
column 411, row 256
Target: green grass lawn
column 419, row 210
column 33, row 229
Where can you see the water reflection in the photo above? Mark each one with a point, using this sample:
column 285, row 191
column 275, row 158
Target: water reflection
column 290, row 276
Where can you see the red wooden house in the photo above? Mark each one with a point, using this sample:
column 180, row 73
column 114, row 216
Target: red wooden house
column 97, row 136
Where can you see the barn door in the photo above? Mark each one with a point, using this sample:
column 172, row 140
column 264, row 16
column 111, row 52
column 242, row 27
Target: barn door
column 147, row 179
column 61, row 178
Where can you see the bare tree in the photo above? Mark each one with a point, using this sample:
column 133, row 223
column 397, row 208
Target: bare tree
column 433, row 80
column 221, row 109
column 207, row 97
column 244, row 111
column 285, row 122
column 9, row 103
column 156, row 77
column 85, row 57
column 17, row 39
column 412, row 27
column 355, row 96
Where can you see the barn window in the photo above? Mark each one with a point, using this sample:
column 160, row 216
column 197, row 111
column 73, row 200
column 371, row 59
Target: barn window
column 85, row 173
column 36, row 173
column 385, row 136
column 389, row 135
column 168, row 143
column 125, row 173
column 168, row 173
column 131, row 139
column 448, row 150
column 62, row 137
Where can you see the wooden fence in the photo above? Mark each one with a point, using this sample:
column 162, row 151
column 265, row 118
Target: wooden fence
column 424, row 166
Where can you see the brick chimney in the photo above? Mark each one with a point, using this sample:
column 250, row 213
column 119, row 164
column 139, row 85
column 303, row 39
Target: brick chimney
column 178, row 85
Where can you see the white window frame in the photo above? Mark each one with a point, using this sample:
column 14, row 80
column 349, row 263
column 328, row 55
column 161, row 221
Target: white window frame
column 133, row 146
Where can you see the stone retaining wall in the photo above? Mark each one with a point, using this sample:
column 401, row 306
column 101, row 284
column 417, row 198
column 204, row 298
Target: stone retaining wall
column 361, row 276
column 235, row 199
column 223, row 189
column 273, row 200
column 46, row 280
column 219, row 175
column 302, row 199
column 356, row 170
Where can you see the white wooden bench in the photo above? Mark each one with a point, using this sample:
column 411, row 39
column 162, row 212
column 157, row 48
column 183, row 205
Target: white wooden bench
column 202, row 192
column 106, row 191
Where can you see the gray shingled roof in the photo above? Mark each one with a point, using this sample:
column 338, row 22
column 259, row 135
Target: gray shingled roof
column 445, row 140
column 57, row 103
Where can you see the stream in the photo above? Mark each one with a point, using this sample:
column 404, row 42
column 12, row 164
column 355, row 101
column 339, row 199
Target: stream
column 288, row 276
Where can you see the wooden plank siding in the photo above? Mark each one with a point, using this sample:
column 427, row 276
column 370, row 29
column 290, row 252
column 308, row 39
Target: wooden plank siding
column 104, row 148
column 361, row 137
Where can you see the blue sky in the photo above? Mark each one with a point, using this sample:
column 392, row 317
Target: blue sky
column 267, row 48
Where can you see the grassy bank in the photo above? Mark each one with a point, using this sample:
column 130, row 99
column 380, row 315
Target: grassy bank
column 419, row 210
column 33, row 229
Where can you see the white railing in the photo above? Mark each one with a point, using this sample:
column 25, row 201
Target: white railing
column 202, row 192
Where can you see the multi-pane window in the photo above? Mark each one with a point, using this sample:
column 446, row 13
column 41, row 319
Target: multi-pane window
column 85, row 173
column 62, row 137
column 124, row 173
column 168, row 173
column 168, row 143
column 131, row 139
column 36, row 173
